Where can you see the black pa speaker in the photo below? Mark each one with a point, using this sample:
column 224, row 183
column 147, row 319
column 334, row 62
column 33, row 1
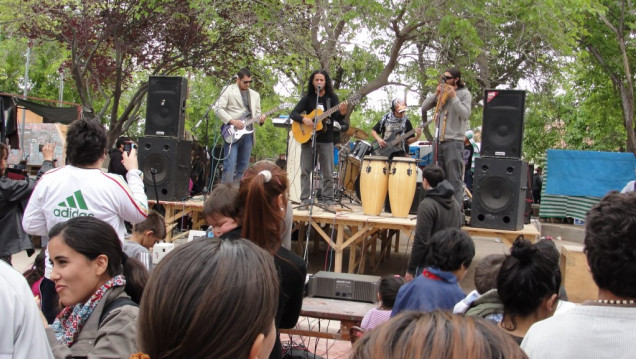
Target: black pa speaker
column 499, row 193
column 165, row 110
column 170, row 160
column 502, row 128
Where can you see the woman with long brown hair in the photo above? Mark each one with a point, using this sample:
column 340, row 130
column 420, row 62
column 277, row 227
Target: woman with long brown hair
column 263, row 199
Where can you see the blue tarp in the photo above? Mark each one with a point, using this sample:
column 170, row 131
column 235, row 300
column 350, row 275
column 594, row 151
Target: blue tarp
column 588, row 173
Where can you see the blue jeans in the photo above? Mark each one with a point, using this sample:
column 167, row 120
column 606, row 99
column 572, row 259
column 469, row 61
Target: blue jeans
column 237, row 158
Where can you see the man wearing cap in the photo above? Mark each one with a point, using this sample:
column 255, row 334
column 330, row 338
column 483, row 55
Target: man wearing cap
column 395, row 123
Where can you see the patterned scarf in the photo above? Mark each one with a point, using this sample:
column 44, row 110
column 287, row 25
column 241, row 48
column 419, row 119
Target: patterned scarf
column 71, row 320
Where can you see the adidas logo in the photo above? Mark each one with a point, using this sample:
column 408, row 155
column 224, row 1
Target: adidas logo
column 72, row 207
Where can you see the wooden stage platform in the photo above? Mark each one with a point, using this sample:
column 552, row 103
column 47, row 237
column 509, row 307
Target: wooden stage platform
column 344, row 229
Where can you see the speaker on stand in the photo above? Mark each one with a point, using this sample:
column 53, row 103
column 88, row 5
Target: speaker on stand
column 499, row 195
column 170, row 159
column 502, row 127
column 165, row 110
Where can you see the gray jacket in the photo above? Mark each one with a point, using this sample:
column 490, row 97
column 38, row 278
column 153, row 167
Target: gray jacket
column 456, row 110
column 116, row 338
column 14, row 195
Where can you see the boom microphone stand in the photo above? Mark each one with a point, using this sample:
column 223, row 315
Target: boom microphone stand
column 212, row 174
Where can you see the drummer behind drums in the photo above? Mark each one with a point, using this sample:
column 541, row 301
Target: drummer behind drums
column 395, row 123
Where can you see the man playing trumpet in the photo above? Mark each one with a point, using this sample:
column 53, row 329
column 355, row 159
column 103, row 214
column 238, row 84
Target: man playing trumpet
column 452, row 102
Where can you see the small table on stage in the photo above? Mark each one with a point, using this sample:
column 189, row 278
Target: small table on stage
column 176, row 210
column 349, row 314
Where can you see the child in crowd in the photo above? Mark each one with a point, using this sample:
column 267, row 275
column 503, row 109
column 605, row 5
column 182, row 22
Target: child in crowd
column 144, row 236
column 448, row 256
column 483, row 301
column 389, row 287
column 222, row 211
column 35, row 274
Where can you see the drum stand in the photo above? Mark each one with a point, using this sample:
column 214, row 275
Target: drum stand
column 341, row 191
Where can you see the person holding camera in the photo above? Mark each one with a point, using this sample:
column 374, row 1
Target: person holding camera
column 82, row 189
column 116, row 165
column 13, row 197
column 452, row 103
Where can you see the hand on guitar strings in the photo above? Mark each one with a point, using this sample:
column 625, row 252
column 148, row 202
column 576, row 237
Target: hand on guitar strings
column 237, row 124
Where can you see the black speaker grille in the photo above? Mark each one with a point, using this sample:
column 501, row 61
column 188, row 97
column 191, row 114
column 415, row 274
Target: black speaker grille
column 499, row 193
column 170, row 158
column 502, row 128
column 165, row 110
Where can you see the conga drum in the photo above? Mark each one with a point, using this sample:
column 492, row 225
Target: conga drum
column 402, row 181
column 374, row 178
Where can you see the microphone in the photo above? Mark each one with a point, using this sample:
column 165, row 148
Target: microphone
column 197, row 125
column 234, row 77
column 318, row 88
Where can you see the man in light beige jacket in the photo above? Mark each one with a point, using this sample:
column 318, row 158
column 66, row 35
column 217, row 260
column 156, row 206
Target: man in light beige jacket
column 237, row 107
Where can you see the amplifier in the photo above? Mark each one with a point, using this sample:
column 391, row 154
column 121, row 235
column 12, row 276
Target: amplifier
column 281, row 121
column 355, row 287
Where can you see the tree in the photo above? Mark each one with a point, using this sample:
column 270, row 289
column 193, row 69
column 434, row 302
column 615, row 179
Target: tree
column 609, row 40
column 109, row 41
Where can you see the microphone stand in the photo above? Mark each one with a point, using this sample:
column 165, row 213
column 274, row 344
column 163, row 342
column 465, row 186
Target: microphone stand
column 314, row 155
column 210, row 179
column 158, row 206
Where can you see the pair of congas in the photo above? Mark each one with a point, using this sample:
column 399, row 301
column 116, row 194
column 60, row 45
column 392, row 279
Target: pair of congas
column 398, row 178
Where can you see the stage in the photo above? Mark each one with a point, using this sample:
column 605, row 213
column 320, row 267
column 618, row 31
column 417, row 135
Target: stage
column 345, row 229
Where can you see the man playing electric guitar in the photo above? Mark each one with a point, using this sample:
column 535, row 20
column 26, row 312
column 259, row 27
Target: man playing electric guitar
column 238, row 102
column 320, row 84
column 393, row 124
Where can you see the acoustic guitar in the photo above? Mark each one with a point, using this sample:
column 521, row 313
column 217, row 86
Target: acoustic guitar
column 302, row 132
column 393, row 141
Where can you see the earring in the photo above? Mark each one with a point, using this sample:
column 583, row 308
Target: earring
column 282, row 209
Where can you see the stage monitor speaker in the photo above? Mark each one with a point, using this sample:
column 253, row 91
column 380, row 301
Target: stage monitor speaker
column 169, row 158
column 502, row 127
column 165, row 110
column 499, row 193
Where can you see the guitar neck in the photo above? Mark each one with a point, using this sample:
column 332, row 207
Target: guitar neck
column 401, row 138
column 252, row 120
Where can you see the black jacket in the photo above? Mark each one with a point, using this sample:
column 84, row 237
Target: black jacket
column 115, row 165
column 308, row 103
column 14, row 195
column 438, row 210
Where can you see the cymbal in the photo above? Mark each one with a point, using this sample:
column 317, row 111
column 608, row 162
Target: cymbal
column 357, row 133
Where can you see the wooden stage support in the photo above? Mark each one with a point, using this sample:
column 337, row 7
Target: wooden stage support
column 349, row 228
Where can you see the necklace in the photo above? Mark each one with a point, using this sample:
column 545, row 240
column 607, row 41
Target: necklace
column 630, row 302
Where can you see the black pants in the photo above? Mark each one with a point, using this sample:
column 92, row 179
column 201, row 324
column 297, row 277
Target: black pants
column 50, row 301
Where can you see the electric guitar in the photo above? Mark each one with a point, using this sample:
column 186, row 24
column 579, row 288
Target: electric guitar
column 394, row 140
column 302, row 132
column 231, row 134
